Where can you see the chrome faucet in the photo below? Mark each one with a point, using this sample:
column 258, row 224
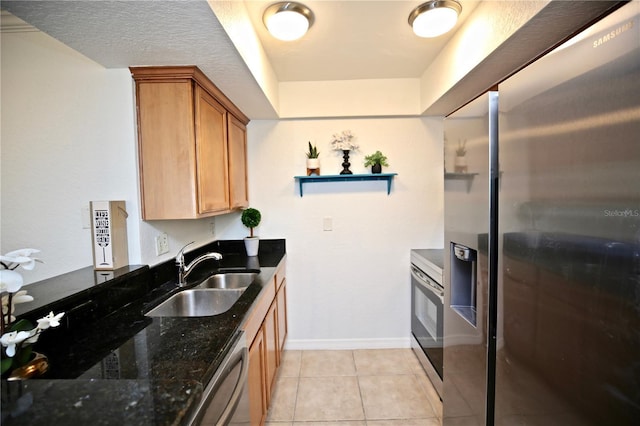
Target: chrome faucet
column 184, row 271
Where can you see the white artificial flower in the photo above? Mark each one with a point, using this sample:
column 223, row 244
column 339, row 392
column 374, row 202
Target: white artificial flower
column 10, row 340
column 343, row 141
column 34, row 334
column 10, row 281
column 21, row 297
column 21, row 257
column 18, row 297
column 50, row 320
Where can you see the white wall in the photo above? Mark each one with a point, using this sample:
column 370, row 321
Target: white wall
column 350, row 98
column 348, row 287
column 68, row 137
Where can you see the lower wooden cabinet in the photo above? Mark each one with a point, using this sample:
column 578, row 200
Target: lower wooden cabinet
column 257, row 393
column 281, row 299
column 271, row 346
column 267, row 330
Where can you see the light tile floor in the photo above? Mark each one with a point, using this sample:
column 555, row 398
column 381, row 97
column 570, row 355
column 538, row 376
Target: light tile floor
column 381, row 387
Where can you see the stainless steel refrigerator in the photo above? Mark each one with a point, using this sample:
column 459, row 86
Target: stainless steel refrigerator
column 542, row 225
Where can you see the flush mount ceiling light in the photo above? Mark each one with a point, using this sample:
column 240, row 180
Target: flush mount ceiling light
column 288, row 20
column 434, row 17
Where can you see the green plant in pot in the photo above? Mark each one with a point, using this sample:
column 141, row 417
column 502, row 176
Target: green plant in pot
column 313, row 162
column 376, row 161
column 251, row 218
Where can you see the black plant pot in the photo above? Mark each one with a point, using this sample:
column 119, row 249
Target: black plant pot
column 376, row 169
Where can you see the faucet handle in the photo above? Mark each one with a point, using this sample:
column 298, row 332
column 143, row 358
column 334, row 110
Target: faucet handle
column 180, row 255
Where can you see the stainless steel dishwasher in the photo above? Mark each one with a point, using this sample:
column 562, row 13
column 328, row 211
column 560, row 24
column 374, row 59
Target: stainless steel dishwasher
column 225, row 400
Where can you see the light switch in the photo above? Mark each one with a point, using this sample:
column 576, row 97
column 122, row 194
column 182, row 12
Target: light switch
column 327, row 224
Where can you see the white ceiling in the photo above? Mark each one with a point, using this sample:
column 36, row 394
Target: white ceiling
column 353, row 39
column 350, row 39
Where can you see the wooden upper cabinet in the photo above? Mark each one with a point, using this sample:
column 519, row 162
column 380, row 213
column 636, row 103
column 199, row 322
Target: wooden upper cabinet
column 191, row 145
column 211, row 154
column 238, row 192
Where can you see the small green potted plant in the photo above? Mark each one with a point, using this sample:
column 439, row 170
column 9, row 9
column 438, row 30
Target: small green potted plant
column 313, row 162
column 376, row 161
column 251, row 218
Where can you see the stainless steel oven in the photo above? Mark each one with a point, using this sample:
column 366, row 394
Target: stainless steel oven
column 427, row 312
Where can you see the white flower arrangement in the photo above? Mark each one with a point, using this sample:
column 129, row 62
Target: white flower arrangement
column 18, row 336
column 343, row 141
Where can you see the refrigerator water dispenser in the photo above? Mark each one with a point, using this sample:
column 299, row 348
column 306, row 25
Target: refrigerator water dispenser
column 463, row 282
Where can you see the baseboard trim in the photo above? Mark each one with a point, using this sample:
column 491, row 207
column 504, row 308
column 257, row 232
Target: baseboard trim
column 346, row 344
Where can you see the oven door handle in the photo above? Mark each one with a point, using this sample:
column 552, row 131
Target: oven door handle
column 427, row 284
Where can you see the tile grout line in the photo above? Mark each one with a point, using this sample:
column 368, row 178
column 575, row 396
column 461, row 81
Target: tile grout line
column 355, row 367
column 418, row 375
column 295, row 402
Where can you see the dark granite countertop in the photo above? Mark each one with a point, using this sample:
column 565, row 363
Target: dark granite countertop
column 126, row 368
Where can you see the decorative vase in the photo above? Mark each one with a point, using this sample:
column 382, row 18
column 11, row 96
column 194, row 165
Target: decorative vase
column 252, row 244
column 313, row 166
column 376, row 169
column 460, row 164
column 36, row 366
column 345, row 163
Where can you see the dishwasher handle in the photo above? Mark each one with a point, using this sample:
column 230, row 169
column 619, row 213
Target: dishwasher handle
column 239, row 354
column 237, row 391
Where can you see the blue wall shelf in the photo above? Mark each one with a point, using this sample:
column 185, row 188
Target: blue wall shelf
column 342, row 178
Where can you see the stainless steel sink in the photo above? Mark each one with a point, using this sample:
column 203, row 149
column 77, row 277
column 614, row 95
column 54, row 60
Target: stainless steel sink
column 232, row 280
column 197, row 303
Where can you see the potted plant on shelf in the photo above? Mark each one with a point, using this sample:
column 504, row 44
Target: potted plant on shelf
column 313, row 162
column 376, row 161
column 251, row 218
column 460, row 164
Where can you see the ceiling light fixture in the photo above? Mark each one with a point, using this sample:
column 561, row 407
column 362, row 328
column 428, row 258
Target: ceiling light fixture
column 434, row 17
column 288, row 20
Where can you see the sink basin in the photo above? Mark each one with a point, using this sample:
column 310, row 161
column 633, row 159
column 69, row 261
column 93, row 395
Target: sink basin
column 197, row 303
column 233, row 280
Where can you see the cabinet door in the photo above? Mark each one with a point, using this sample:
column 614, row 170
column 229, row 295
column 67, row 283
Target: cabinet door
column 257, row 380
column 166, row 149
column 271, row 337
column 238, row 193
column 282, row 317
column 211, row 151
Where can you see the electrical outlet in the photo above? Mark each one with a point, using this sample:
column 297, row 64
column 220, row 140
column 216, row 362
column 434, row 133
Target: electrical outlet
column 212, row 227
column 327, row 223
column 162, row 244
